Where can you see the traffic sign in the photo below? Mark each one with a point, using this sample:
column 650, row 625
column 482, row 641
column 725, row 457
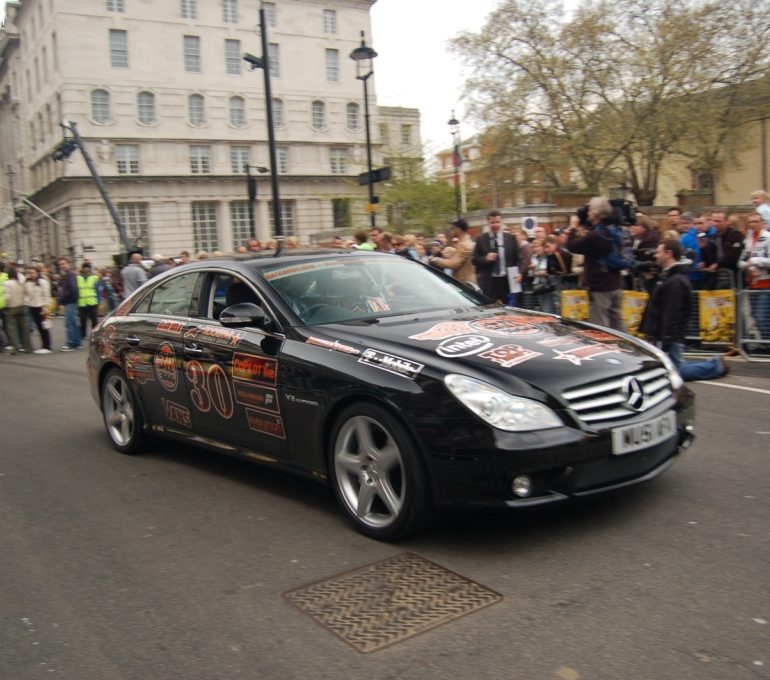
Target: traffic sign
column 378, row 175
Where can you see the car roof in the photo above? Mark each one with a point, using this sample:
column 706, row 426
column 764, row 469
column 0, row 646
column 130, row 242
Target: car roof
column 266, row 259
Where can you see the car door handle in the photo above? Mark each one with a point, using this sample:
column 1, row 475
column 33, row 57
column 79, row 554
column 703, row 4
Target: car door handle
column 193, row 350
column 132, row 340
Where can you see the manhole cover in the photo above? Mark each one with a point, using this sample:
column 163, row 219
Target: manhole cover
column 389, row 601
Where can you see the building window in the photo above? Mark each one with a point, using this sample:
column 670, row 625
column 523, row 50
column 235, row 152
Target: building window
column 282, row 156
column 192, row 54
column 332, row 66
column 233, row 57
column 115, row 6
column 100, row 106
column 341, row 213
column 145, row 105
column 287, row 217
column 384, row 133
column 134, row 218
column 237, row 111
column 189, row 9
column 240, row 223
column 338, row 160
column 278, row 119
column 127, row 156
column 318, row 115
column 240, row 157
column 271, row 17
column 354, row 116
column 200, row 159
column 230, row 11
column 330, row 21
column 204, row 219
column 118, row 49
column 196, row 109
column 406, row 135
column 273, row 58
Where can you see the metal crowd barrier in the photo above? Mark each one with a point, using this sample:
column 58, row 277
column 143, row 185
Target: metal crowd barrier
column 723, row 315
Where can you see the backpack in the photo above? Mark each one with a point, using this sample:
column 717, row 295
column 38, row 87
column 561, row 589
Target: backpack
column 622, row 254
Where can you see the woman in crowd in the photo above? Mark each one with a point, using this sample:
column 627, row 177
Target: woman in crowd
column 15, row 312
column 38, row 295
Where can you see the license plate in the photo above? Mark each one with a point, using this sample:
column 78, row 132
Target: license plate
column 643, row 435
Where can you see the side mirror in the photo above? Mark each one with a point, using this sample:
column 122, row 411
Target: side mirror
column 245, row 314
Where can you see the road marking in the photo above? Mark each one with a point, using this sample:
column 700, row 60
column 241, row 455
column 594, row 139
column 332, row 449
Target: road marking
column 734, row 387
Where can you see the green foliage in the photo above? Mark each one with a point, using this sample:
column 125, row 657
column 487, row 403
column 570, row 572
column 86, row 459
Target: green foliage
column 619, row 86
column 418, row 205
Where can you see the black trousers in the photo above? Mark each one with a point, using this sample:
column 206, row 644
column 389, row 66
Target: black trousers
column 87, row 313
column 45, row 334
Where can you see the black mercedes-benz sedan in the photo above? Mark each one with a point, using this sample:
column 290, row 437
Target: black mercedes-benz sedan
column 401, row 388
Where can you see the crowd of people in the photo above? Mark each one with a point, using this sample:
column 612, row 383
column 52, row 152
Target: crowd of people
column 597, row 251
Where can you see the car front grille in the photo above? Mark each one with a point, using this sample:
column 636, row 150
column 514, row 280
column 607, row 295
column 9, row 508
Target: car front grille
column 619, row 398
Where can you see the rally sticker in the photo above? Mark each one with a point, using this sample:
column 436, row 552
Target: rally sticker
column 173, row 327
column 165, row 366
column 334, row 345
column 508, row 326
column 391, row 363
column 265, row 423
column 254, row 368
column 105, row 345
column 509, row 355
column 256, row 396
column 463, row 346
column 223, row 337
column 441, row 331
column 137, row 368
column 599, row 336
column 556, row 342
column 580, row 354
column 176, row 413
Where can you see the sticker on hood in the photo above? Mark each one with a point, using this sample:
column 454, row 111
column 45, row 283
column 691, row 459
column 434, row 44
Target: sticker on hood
column 463, row 346
column 391, row 363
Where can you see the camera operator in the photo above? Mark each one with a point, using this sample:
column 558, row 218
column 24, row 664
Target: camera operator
column 604, row 285
column 645, row 240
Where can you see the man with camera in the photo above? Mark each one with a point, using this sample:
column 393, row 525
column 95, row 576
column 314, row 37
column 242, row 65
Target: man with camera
column 594, row 241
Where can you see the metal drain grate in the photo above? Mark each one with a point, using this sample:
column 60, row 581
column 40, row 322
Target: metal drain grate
column 389, row 601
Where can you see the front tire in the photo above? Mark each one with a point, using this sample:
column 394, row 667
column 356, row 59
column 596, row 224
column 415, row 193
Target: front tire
column 122, row 415
column 377, row 474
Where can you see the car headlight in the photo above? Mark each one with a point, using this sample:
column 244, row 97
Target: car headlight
column 500, row 409
column 673, row 372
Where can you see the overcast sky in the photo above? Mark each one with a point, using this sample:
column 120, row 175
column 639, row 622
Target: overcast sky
column 414, row 68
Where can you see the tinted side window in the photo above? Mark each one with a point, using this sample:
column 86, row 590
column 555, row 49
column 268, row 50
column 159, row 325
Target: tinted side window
column 173, row 297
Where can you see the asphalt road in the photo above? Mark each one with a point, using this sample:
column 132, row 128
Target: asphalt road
column 172, row 565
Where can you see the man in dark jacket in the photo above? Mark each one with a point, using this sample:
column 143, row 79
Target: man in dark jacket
column 667, row 314
column 604, row 285
column 68, row 298
column 726, row 247
column 493, row 253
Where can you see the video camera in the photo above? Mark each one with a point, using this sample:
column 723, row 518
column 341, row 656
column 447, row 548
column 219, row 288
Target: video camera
column 623, row 212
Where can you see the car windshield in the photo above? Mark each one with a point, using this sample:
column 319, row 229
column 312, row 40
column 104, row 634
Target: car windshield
column 352, row 288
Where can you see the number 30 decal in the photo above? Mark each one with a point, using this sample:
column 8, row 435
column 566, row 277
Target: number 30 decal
column 210, row 388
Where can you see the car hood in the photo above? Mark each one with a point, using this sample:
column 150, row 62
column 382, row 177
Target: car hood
column 508, row 345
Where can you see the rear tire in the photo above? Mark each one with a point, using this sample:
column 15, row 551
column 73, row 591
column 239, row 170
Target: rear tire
column 121, row 413
column 377, row 474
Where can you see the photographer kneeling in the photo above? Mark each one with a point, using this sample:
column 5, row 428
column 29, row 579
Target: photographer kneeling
column 593, row 240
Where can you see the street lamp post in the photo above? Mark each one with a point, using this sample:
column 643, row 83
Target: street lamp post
column 251, row 190
column 363, row 56
column 264, row 64
column 454, row 128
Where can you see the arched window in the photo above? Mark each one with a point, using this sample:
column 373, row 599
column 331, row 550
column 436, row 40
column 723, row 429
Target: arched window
column 100, row 106
column 237, row 111
column 145, row 105
column 318, row 115
column 354, row 116
column 278, row 119
column 196, row 109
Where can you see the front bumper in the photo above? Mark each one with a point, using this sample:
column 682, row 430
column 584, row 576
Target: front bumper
column 561, row 464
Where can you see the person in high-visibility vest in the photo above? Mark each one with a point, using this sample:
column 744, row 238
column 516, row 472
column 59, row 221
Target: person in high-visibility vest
column 88, row 297
column 3, row 328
